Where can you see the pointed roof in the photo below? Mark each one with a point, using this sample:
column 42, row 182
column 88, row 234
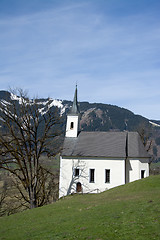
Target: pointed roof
column 74, row 110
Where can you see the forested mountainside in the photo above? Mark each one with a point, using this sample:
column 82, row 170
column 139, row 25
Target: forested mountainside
column 98, row 117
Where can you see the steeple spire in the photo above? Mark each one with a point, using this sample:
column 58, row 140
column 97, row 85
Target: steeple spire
column 74, row 109
column 73, row 118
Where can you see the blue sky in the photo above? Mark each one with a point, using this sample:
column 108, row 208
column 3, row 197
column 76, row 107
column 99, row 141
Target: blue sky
column 111, row 48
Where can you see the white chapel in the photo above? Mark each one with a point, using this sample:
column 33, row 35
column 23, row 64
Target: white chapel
column 92, row 162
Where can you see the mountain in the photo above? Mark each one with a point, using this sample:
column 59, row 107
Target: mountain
column 97, row 117
column 94, row 116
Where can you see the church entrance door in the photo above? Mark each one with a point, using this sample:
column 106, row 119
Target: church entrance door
column 79, row 187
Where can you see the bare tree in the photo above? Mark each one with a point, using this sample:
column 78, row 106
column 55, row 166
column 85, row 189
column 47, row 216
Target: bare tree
column 25, row 137
column 145, row 135
column 3, row 196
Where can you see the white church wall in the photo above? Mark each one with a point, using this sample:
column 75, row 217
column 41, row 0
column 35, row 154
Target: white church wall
column 68, row 180
column 136, row 166
column 133, row 170
column 116, row 168
column 143, row 166
column 65, row 177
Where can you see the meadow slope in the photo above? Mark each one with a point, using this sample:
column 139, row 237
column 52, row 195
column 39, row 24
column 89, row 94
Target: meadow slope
column 127, row 212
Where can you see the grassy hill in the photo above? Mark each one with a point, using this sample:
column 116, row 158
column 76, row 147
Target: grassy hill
column 127, row 212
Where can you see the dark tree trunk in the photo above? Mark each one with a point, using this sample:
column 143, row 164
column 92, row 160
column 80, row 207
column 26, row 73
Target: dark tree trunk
column 33, row 201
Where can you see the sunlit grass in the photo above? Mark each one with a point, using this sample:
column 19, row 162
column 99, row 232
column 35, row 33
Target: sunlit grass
column 127, row 212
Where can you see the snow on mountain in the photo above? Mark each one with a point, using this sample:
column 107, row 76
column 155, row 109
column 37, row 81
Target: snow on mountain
column 16, row 98
column 58, row 103
column 46, row 104
column 4, row 103
column 154, row 124
column 51, row 103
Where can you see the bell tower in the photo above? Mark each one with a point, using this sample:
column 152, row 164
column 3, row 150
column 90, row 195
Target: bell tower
column 73, row 118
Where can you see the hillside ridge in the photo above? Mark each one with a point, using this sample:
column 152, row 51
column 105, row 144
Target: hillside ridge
column 126, row 212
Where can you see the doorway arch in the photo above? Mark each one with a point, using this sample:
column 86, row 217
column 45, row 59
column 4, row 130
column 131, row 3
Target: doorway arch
column 78, row 187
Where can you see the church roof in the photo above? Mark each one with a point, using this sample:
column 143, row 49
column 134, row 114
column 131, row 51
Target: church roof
column 105, row 144
column 74, row 110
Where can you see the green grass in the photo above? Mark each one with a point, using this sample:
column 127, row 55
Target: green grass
column 127, row 212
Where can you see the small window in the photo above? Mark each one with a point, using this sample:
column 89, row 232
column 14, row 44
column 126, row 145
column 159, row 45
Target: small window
column 76, row 172
column 72, row 125
column 91, row 175
column 107, row 175
column 142, row 173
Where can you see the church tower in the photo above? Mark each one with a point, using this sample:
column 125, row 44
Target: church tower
column 73, row 118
